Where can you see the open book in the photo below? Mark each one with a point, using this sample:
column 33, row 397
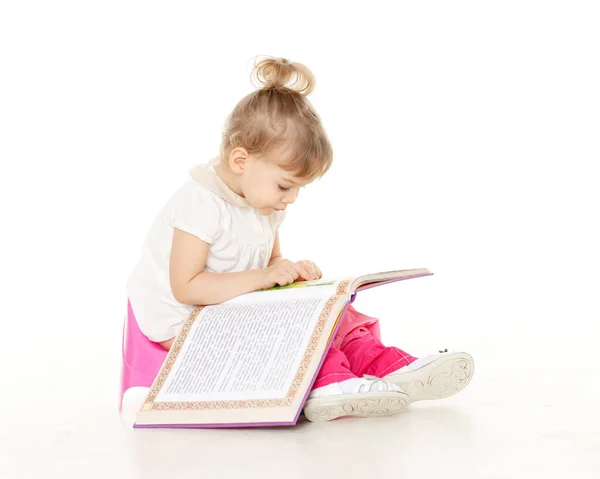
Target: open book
column 252, row 360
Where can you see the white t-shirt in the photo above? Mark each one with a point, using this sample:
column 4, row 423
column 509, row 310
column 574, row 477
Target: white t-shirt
column 240, row 239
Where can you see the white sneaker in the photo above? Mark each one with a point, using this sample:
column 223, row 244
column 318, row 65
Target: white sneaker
column 355, row 397
column 434, row 377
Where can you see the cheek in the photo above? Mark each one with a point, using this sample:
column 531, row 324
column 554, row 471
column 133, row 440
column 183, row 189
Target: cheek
column 270, row 197
column 263, row 196
column 254, row 190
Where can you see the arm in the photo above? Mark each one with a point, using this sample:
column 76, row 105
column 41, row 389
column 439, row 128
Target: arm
column 192, row 285
column 276, row 253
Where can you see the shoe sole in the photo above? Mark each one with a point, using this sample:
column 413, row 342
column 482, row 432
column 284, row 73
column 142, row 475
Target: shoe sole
column 370, row 404
column 439, row 379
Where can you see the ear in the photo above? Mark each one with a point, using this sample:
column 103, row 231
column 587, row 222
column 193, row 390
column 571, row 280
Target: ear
column 238, row 159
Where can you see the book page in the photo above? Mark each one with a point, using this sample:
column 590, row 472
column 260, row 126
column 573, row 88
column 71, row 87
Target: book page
column 370, row 280
column 299, row 290
column 243, row 351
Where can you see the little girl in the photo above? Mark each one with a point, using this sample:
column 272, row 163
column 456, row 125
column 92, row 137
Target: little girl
column 217, row 238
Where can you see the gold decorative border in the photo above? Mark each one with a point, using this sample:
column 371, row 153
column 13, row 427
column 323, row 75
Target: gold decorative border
column 343, row 288
column 150, row 403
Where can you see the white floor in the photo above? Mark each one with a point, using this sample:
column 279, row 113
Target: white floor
column 530, row 411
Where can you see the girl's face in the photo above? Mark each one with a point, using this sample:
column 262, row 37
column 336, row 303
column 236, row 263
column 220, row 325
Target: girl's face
column 267, row 187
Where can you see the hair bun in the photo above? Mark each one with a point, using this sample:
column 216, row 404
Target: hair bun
column 280, row 74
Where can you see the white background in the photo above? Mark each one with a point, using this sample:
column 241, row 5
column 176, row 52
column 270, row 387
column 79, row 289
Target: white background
column 466, row 140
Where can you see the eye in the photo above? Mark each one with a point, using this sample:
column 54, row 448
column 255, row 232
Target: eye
column 283, row 188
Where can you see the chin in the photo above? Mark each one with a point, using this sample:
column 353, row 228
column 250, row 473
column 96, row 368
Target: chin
column 266, row 211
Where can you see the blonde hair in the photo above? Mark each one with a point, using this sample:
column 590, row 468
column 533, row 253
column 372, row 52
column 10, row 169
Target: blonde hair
column 278, row 118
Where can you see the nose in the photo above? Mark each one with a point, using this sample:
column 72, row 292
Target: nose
column 290, row 197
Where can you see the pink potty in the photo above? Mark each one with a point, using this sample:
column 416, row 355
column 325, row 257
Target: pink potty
column 142, row 358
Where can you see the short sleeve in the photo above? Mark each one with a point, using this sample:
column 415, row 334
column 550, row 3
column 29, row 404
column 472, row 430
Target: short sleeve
column 196, row 211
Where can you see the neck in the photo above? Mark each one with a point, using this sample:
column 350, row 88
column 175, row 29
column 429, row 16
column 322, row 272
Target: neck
column 229, row 178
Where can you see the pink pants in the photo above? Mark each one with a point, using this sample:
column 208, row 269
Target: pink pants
column 357, row 350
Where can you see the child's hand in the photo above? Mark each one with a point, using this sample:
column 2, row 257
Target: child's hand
column 286, row 272
column 280, row 274
column 308, row 271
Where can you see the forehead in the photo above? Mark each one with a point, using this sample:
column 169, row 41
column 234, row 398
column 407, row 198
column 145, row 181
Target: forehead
column 285, row 175
column 288, row 177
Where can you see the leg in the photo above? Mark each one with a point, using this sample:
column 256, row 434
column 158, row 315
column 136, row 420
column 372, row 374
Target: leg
column 368, row 356
column 432, row 377
column 338, row 392
column 337, row 365
column 167, row 344
column 361, row 342
column 335, row 369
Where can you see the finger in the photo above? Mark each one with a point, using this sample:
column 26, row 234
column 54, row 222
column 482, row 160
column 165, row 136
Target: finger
column 302, row 271
column 286, row 277
column 312, row 269
column 293, row 272
column 318, row 271
column 285, row 268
